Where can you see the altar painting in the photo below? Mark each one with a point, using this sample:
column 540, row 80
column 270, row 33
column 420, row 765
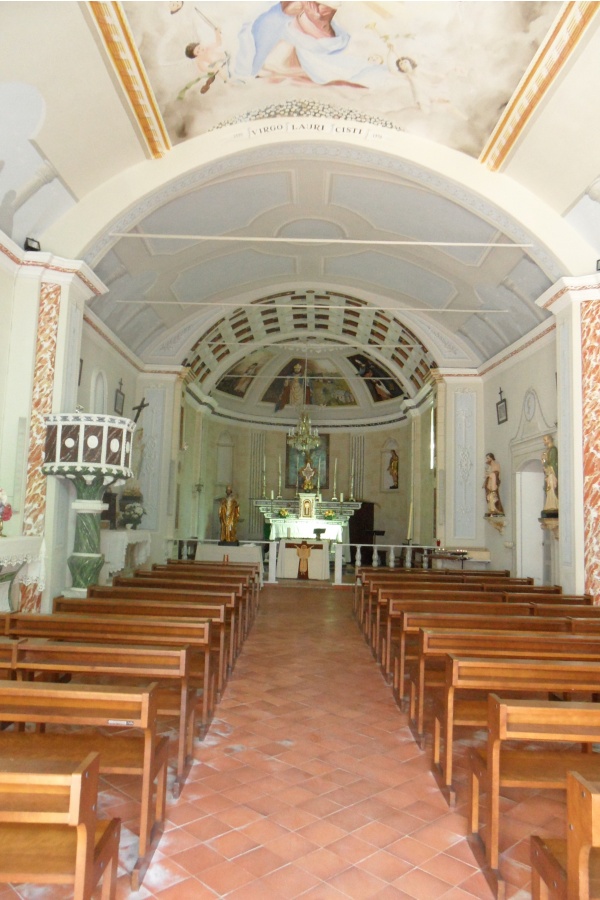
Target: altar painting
column 295, row 460
column 309, row 383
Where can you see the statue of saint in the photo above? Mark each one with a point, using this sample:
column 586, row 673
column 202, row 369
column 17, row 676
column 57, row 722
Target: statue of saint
column 550, row 464
column 393, row 469
column 491, row 486
column 229, row 513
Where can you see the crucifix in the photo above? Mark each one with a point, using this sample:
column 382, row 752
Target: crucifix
column 121, row 385
column 139, row 408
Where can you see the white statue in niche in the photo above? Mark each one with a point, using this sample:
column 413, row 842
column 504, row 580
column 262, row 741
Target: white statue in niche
column 491, row 485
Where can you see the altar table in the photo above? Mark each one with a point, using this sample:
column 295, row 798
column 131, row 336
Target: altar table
column 288, row 560
column 305, row 528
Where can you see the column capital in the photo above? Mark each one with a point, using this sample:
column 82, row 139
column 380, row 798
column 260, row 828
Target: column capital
column 567, row 292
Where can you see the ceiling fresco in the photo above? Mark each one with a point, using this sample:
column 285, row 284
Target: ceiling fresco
column 439, row 70
column 309, row 382
column 365, row 190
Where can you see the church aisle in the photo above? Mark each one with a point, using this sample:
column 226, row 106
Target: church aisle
column 310, row 783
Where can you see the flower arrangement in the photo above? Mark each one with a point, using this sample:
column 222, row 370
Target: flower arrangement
column 329, row 514
column 284, row 513
column 5, row 509
column 132, row 514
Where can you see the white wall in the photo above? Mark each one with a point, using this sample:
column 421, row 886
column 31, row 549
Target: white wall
column 529, row 372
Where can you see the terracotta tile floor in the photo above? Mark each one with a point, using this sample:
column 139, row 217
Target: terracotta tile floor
column 309, row 783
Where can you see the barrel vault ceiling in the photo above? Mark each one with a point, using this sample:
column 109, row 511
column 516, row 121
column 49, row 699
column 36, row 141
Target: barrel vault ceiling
column 258, row 220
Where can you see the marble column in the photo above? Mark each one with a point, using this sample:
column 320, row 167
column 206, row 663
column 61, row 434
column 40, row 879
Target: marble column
column 459, row 459
column 576, row 304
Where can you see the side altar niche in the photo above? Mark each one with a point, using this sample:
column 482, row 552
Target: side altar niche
column 307, row 516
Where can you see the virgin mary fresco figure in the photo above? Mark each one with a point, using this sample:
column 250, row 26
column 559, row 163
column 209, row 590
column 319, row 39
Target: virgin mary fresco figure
column 300, row 42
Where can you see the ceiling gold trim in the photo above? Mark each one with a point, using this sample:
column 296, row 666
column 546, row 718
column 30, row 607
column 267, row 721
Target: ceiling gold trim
column 120, row 46
column 550, row 59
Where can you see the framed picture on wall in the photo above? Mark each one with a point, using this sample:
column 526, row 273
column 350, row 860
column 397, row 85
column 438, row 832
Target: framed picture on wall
column 501, row 412
column 119, row 402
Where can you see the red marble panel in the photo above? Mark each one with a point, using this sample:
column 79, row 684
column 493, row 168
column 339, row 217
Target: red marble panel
column 114, row 446
column 92, row 443
column 31, row 598
column 69, row 444
column 50, row 449
column 41, row 405
column 590, row 350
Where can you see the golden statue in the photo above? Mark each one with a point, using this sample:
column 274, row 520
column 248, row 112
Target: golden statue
column 229, row 513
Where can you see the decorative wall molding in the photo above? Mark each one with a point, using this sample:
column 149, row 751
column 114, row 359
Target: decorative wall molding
column 465, row 455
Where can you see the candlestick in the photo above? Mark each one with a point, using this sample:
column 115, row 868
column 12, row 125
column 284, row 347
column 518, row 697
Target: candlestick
column 334, row 479
column 352, row 479
column 341, row 496
column 272, row 495
column 409, row 531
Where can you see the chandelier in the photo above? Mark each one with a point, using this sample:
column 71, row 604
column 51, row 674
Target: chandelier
column 303, row 437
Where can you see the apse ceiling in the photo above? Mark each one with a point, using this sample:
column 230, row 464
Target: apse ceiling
column 311, row 249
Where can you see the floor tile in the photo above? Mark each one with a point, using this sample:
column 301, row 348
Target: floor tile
column 309, row 783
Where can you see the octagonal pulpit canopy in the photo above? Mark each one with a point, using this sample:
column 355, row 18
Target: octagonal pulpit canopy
column 88, row 444
column 91, row 452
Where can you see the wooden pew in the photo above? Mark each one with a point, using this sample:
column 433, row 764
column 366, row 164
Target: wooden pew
column 570, row 869
column 371, row 587
column 215, row 586
column 107, row 663
column 197, row 574
column 479, row 677
column 549, row 598
column 183, row 593
column 125, row 606
column 380, row 592
column 230, row 581
column 172, row 595
column 365, row 582
column 392, row 649
column 136, row 630
column 193, row 566
column 383, row 600
column 436, row 643
column 497, row 767
column 400, row 630
column 495, row 617
column 376, row 591
column 577, row 610
column 124, row 753
column 49, row 830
